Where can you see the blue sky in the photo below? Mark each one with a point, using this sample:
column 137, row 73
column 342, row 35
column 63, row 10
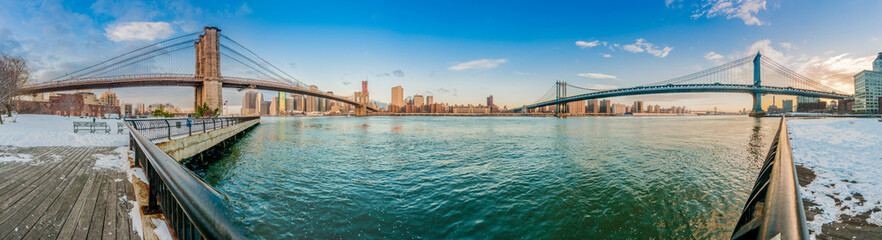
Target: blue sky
column 463, row 51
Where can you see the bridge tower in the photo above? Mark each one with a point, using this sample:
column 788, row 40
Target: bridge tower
column 208, row 68
column 757, row 81
column 561, row 108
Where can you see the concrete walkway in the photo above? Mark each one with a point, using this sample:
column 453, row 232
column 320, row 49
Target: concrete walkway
column 63, row 193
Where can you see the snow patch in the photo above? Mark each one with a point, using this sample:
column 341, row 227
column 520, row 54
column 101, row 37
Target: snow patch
column 139, row 173
column 49, row 130
column 135, row 215
column 112, row 162
column 15, row 157
column 160, row 228
column 845, row 155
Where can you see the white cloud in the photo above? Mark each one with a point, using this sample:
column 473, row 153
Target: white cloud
column 786, row 45
column 712, row 56
column 831, row 69
column 638, row 47
column 745, row 10
column 243, row 10
column 642, row 46
column 835, row 71
column 632, row 48
column 584, row 44
column 129, row 31
column 597, row 76
column 478, row 64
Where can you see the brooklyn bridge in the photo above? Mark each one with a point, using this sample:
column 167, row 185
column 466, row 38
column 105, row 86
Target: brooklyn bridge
column 165, row 64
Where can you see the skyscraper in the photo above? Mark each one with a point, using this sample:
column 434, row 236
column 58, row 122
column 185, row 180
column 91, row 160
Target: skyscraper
column 418, row 100
column 250, row 103
column 109, row 98
column 638, row 107
column 289, row 104
column 260, row 104
column 490, row 101
column 868, row 88
column 274, row 106
column 605, row 106
column 429, row 100
column 397, row 96
column 283, row 96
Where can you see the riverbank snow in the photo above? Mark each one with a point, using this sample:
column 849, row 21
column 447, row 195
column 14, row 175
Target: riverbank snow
column 50, row 130
column 846, row 156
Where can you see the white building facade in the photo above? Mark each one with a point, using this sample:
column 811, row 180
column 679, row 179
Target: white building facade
column 868, row 88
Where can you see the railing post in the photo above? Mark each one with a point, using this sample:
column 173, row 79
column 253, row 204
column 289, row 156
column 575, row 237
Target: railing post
column 134, row 150
column 168, row 125
column 189, row 128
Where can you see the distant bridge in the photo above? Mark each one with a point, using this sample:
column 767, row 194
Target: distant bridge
column 162, row 64
column 732, row 77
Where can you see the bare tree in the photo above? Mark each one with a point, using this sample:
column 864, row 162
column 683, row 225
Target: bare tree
column 14, row 73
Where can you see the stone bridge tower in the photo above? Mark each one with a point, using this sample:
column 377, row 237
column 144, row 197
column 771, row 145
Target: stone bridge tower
column 208, row 68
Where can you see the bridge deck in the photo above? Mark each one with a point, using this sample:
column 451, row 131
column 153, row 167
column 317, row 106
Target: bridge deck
column 60, row 194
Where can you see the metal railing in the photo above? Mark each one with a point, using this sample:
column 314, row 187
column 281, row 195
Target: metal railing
column 166, row 129
column 193, row 209
column 774, row 208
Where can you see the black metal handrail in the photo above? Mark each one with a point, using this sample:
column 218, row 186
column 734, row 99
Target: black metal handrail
column 774, row 208
column 193, row 208
column 165, row 129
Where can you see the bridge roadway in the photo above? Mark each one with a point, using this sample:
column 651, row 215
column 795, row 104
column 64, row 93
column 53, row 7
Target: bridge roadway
column 689, row 88
column 180, row 80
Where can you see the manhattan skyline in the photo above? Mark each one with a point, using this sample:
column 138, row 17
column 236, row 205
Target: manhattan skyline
column 462, row 51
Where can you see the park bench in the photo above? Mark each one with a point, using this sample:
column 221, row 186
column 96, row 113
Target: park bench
column 91, row 126
column 120, row 127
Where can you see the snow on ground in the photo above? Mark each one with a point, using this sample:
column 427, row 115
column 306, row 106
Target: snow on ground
column 117, row 162
column 846, row 156
column 50, row 130
column 161, row 229
column 139, row 173
column 15, row 157
column 135, row 215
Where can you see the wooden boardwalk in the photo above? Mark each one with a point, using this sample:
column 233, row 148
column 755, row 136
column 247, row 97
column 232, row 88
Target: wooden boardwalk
column 60, row 195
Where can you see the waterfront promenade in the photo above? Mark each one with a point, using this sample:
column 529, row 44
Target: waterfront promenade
column 65, row 193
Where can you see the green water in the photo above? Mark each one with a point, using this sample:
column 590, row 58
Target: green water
column 493, row 177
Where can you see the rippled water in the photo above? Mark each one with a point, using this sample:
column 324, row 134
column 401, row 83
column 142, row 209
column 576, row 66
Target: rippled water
column 502, row 177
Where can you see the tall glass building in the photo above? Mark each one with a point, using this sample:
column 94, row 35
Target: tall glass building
column 868, row 88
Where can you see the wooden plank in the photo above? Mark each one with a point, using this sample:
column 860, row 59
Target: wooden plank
column 70, row 222
column 130, row 191
column 26, row 192
column 109, row 210
column 97, row 225
column 50, row 224
column 31, row 202
column 37, row 153
column 25, row 174
column 122, row 210
column 57, row 187
column 30, row 178
column 85, row 218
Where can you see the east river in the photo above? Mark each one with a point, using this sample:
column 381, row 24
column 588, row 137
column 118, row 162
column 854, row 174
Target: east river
column 492, row 177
